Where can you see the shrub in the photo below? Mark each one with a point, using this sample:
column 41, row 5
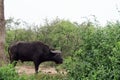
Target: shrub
column 99, row 56
column 8, row 72
column 50, row 77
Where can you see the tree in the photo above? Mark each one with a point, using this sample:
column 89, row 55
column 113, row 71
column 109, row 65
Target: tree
column 2, row 32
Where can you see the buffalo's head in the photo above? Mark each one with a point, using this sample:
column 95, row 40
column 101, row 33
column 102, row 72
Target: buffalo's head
column 56, row 56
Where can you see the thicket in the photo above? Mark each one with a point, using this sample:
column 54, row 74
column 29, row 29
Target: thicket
column 98, row 57
column 90, row 52
column 9, row 73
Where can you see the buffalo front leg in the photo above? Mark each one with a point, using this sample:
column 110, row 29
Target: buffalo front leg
column 36, row 66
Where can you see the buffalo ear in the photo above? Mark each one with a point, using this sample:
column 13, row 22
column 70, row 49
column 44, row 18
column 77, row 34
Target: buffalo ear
column 56, row 51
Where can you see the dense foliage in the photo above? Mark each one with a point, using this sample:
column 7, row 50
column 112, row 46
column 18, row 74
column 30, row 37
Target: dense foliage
column 9, row 73
column 98, row 58
column 90, row 52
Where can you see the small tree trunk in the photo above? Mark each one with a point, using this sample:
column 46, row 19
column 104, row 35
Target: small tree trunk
column 2, row 33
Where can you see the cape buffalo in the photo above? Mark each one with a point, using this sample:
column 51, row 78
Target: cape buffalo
column 37, row 52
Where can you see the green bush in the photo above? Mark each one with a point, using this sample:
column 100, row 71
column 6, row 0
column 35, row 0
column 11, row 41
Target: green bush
column 98, row 58
column 8, row 72
column 42, row 76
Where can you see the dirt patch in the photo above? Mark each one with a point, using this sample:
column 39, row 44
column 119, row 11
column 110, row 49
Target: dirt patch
column 30, row 70
column 25, row 70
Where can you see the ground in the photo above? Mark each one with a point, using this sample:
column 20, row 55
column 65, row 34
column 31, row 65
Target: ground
column 25, row 69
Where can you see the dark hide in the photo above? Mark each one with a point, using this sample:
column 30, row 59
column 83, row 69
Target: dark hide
column 33, row 51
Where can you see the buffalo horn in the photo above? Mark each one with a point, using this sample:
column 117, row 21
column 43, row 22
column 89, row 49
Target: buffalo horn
column 56, row 51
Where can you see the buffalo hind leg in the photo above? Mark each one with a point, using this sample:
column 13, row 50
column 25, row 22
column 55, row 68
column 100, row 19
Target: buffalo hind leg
column 13, row 59
column 14, row 62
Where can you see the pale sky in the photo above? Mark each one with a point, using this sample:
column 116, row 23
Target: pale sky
column 35, row 11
